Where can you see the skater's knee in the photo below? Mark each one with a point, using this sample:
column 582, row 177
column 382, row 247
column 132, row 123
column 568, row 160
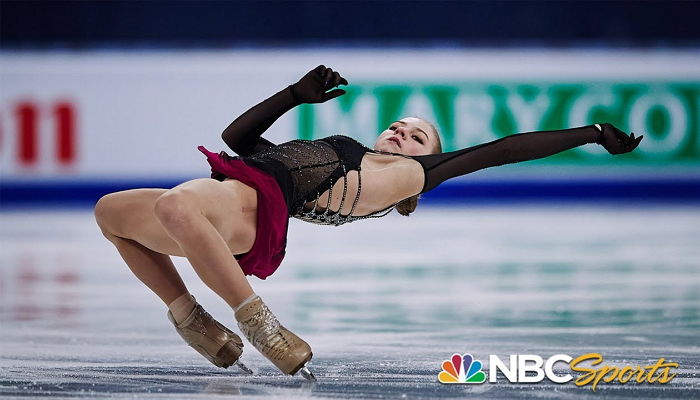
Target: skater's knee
column 107, row 216
column 105, row 210
column 174, row 209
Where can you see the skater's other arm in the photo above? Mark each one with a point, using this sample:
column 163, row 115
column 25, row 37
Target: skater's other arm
column 243, row 134
column 521, row 147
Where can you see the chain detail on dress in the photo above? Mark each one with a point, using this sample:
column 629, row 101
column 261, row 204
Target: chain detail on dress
column 315, row 166
column 328, row 217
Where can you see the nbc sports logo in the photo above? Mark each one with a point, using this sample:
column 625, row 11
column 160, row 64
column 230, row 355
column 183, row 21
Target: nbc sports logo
column 462, row 369
column 531, row 368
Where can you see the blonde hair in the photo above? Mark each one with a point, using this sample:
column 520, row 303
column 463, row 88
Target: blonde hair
column 407, row 206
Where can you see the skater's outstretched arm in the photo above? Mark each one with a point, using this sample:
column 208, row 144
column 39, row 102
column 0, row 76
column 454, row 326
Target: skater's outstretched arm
column 243, row 134
column 521, row 147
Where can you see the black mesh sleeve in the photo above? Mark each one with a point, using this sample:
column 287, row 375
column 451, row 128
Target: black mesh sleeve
column 511, row 149
column 243, row 134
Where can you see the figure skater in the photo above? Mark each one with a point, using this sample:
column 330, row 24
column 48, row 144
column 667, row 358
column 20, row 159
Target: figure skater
column 234, row 223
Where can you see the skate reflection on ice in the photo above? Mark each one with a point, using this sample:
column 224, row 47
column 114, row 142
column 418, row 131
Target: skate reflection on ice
column 223, row 387
column 284, row 389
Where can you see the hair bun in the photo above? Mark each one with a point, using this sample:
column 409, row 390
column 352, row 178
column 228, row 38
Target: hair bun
column 407, row 206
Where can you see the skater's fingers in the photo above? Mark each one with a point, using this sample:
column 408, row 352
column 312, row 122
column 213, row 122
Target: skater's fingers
column 621, row 136
column 336, row 79
column 327, row 76
column 332, row 94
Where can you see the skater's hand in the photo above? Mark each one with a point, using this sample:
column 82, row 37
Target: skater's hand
column 615, row 141
column 313, row 87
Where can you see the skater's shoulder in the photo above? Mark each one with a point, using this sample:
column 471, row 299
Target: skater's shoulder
column 347, row 147
column 345, row 142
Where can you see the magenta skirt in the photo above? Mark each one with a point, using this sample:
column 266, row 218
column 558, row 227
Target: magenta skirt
column 271, row 231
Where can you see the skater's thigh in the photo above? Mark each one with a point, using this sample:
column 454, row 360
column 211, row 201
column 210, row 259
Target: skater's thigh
column 230, row 206
column 129, row 214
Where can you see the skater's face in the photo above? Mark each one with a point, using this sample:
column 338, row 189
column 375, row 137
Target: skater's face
column 410, row 136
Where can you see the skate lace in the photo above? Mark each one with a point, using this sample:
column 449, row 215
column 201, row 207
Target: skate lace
column 266, row 334
column 197, row 323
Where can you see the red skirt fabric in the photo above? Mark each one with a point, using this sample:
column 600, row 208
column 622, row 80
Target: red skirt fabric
column 271, row 231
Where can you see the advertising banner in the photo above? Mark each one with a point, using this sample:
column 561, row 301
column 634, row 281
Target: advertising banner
column 99, row 116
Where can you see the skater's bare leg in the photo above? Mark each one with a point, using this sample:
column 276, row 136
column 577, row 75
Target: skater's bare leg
column 131, row 214
column 193, row 215
column 126, row 216
column 210, row 220
column 156, row 270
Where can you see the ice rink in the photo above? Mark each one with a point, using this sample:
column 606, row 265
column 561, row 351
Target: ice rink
column 381, row 302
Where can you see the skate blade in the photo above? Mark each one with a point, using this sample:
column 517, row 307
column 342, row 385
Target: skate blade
column 306, row 373
column 243, row 368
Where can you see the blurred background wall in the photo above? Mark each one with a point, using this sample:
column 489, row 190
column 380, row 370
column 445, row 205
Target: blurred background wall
column 101, row 96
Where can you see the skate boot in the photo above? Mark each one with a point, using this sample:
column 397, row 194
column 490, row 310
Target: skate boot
column 211, row 339
column 283, row 348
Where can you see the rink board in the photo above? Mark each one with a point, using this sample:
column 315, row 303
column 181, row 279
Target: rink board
column 72, row 121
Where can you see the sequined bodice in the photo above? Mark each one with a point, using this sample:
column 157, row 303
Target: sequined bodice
column 314, row 167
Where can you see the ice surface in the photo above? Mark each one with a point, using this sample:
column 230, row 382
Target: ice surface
column 381, row 302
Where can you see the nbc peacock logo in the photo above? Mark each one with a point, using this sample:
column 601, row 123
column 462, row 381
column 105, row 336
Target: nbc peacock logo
column 462, row 369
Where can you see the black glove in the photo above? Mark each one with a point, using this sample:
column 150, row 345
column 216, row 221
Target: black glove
column 615, row 141
column 313, row 87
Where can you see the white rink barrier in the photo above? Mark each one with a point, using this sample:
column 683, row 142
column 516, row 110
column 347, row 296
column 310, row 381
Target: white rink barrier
column 120, row 116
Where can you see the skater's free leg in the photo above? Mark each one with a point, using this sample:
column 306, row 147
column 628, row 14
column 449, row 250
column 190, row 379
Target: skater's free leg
column 210, row 220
